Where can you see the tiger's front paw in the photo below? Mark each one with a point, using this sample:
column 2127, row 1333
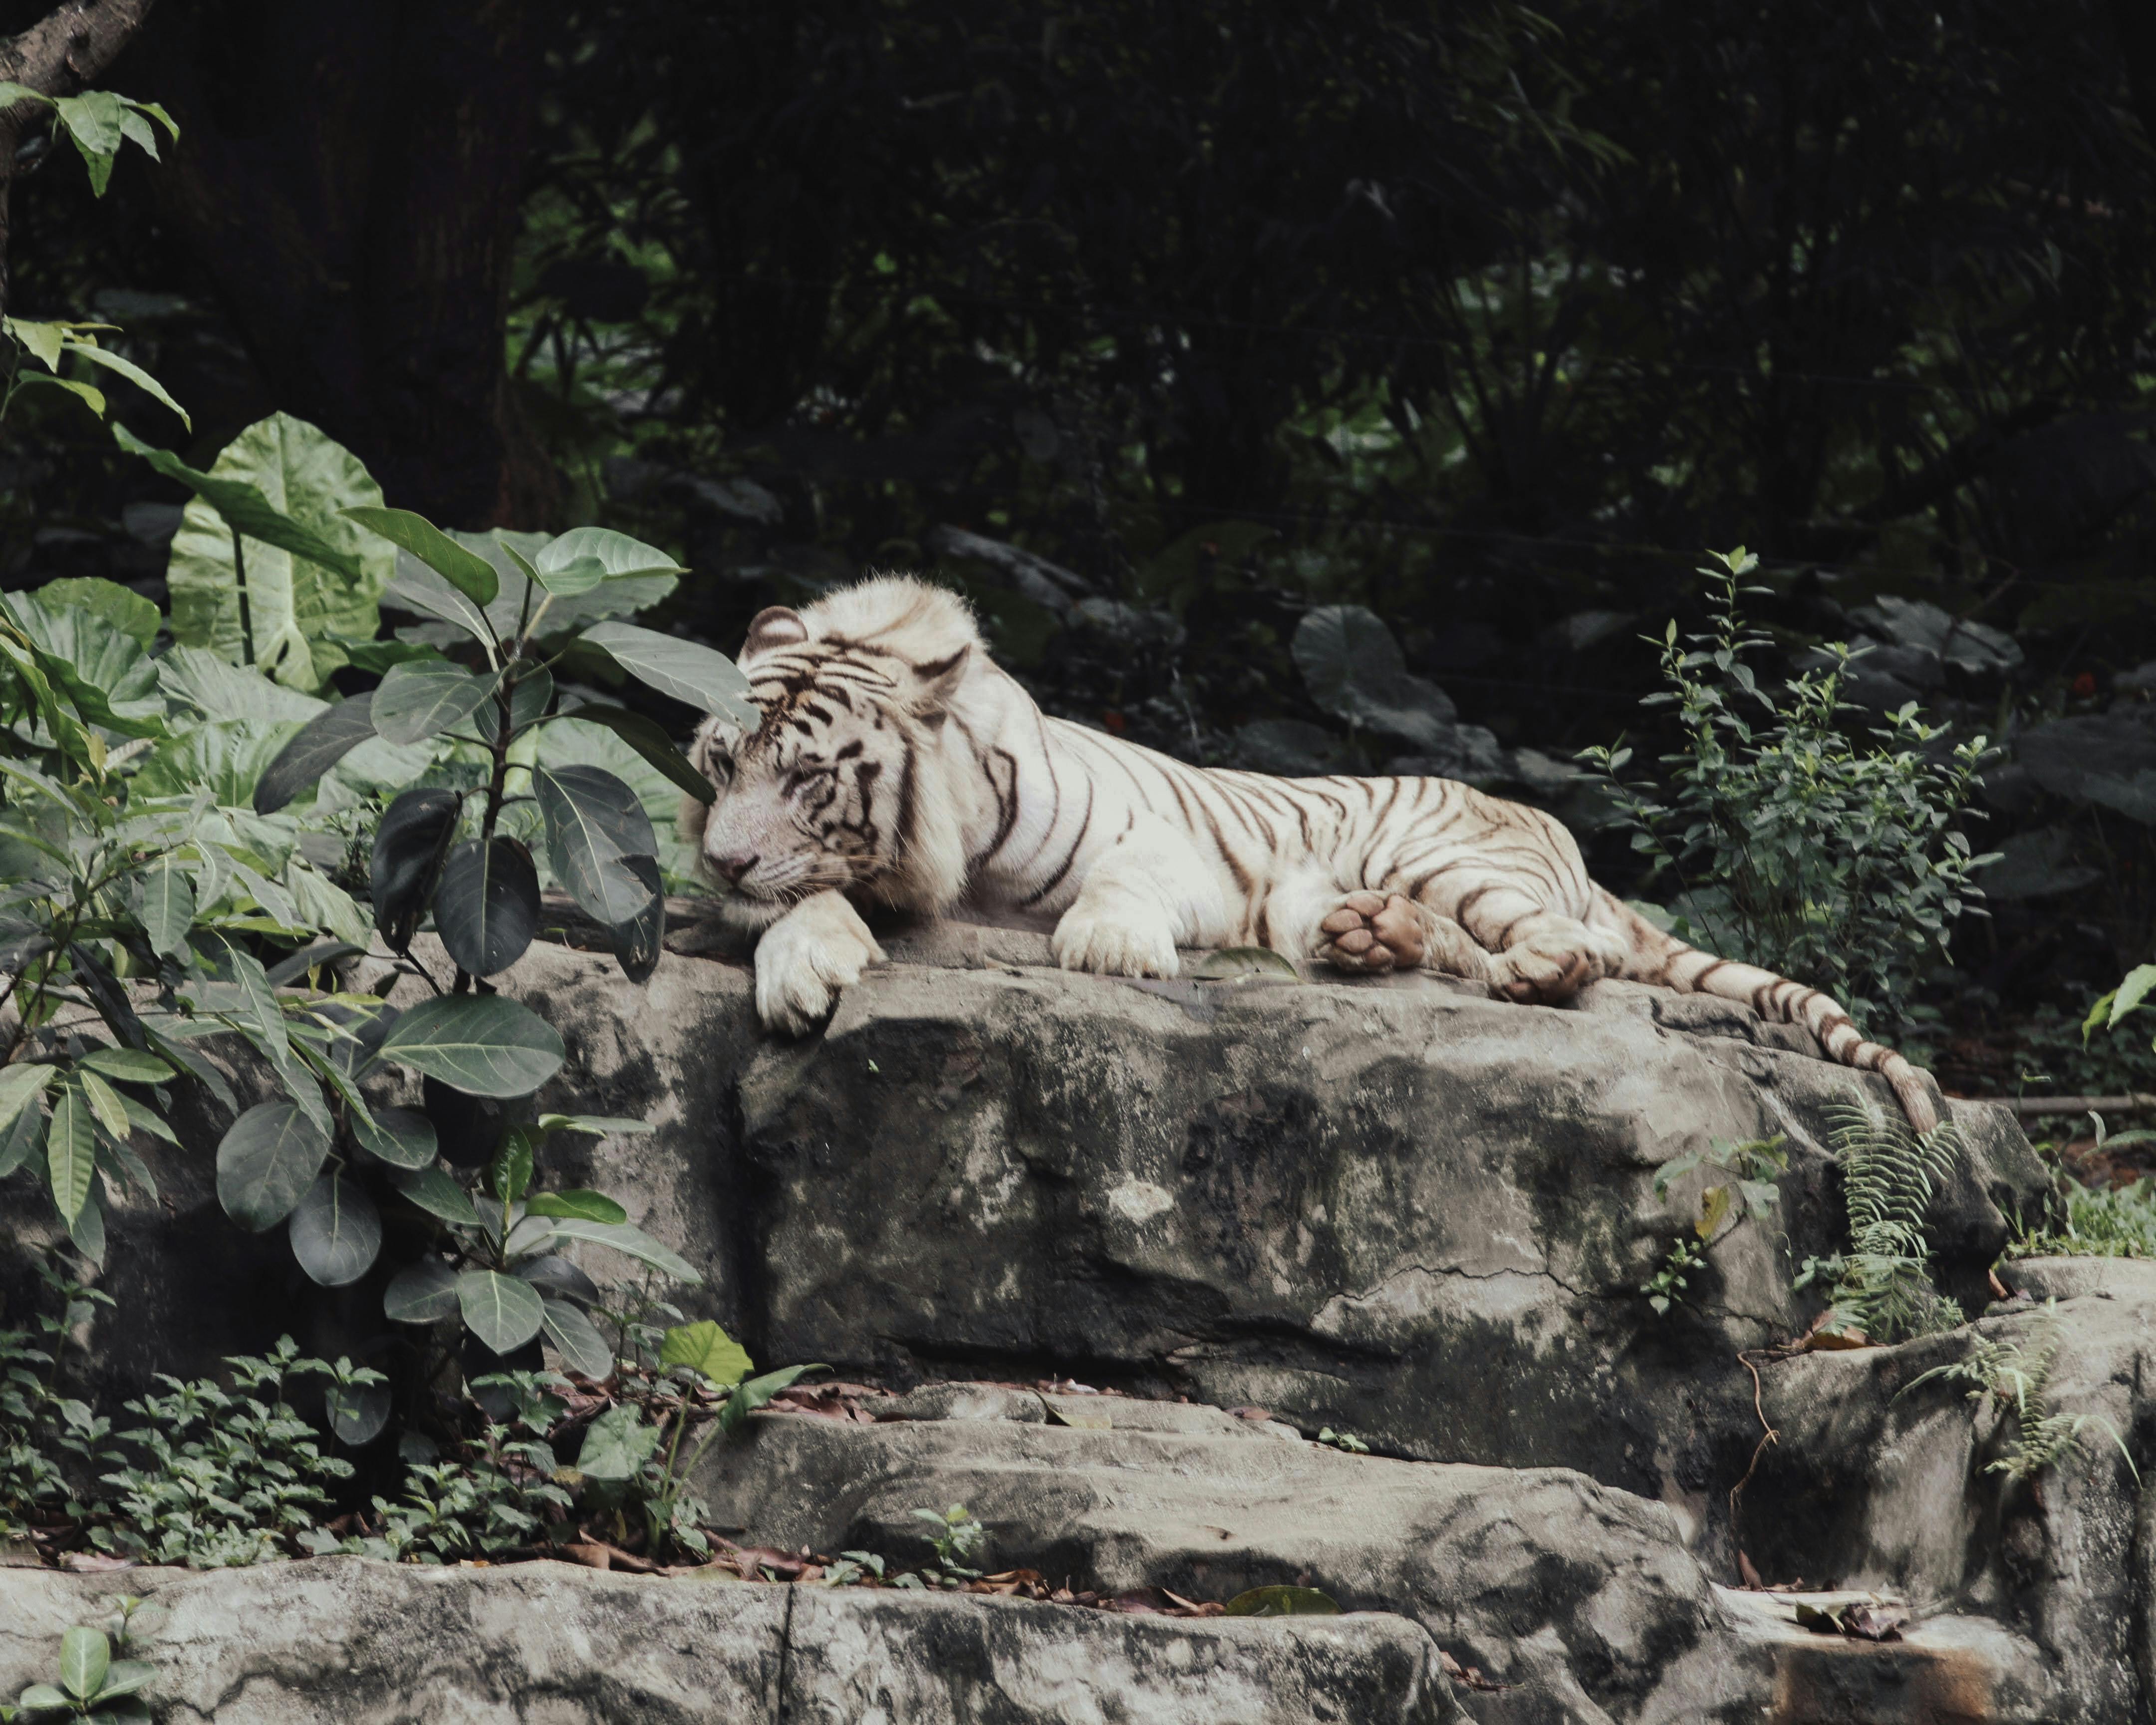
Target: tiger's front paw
column 804, row 960
column 1372, row 932
column 1139, row 943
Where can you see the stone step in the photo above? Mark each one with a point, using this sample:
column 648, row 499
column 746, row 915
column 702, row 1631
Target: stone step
column 351, row 1641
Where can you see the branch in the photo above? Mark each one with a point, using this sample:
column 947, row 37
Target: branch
column 63, row 52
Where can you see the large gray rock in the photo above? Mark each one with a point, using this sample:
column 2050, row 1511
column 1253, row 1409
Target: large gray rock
column 1579, row 1598
column 348, row 1641
column 1878, row 1483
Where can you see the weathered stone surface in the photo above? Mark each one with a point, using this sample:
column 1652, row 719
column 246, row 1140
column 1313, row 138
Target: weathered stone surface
column 348, row 1641
column 1580, row 1597
column 1876, row 1484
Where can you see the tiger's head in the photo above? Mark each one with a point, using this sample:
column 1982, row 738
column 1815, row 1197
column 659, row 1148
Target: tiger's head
column 845, row 783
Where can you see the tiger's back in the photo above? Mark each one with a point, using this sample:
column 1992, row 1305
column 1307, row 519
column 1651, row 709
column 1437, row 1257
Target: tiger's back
column 896, row 764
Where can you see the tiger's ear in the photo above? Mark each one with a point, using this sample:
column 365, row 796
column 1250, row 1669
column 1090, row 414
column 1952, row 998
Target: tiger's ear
column 774, row 626
column 936, row 682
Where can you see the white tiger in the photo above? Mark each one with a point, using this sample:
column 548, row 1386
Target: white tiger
column 897, row 764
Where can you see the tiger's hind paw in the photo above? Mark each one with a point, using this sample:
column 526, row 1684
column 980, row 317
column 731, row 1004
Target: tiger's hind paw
column 1371, row 932
column 1546, row 968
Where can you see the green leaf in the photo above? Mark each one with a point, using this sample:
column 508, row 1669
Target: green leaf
column 267, row 1162
column 1283, row 1602
column 87, row 1229
column 101, row 668
column 697, row 675
column 705, row 1349
column 84, row 1657
column 576, row 1339
column 587, row 1206
column 484, row 1044
column 651, row 742
column 20, row 1086
column 426, row 696
column 509, row 1174
column 134, row 374
column 757, row 1392
column 593, row 822
column 471, row 574
column 618, row 556
column 639, row 940
column 435, row 1192
column 597, row 1126
column 167, row 907
column 329, row 736
column 311, row 573
column 124, row 1677
column 631, row 1242
column 421, row 1293
column 410, row 846
column 502, row 1310
column 1231, row 962
column 357, row 1412
column 1354, row 668
column 336, row 1232
column 70, row 1151
column 486, row 909
column 22, row 1139
column 105, row 1106
column 125, row 609
column 263, row 1022
column 40, row 1696
column 617, row 1443
column 397, row 1136
column 91, row 396
column 2132, row 992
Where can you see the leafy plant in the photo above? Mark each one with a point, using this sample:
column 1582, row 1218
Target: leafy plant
column 498, row 1269
column 1756, row 1165
column 1881, row 1287
column 39, row 1425
column 2020, row 1373
column 1346, row 1440
column 96, row 1679
column 500, row 1496
column 100, row 122
column 1792, row 847
column 230, row 1478
column 957, row 1540
column 633, row 1451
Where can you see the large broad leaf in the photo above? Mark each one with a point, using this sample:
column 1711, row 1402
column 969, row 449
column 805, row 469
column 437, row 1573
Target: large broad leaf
column 426, row 696
column 22, row 1138
column 71, row 1152
column 167, row 903
column 588, row 1206
column 20, row 1087
column 302, row 587
column 631, row 1242
column 617, row 1443
column 486, row 910
column 196, row 680
column 757, row 1392
column 125, row 609
column 410, row 846
column 399, row 1136
column 356, row 1412
column 103, row 669
column 705, row 1349
column 617, row 555
column 651, row 742
column 327, row 739
column 1354, row 670
column 484, row 1044
column 421, row 1293
column 593, row 822
column 85, row 1656
column 266, row 1164
column 571, row 742
column 336, row 1232
column 228, row 758
column 435, row 1193
column 697, row 674
column 417, row 587
column 576, row 1339
column 504, row 1311
column 639, row 942
column 471, row 574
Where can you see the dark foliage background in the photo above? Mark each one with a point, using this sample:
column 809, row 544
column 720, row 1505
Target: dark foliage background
column 1490, row 318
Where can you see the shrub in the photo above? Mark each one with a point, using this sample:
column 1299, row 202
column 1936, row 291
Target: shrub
column 1790, row 846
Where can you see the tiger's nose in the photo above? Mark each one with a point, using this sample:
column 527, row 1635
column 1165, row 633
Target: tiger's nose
column 735, row 865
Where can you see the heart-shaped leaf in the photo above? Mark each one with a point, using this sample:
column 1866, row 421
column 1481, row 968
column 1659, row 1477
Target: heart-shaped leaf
column 484, row 1044
column 424, row 697
column 410, row 846
column 421, row 1293
column 435, row 1193
column 329, row 736
column 357, row 1412
column 336, row 1232
column 504, row 1311
column 267, row 1162
column 486, row 909
column 705, row 1349
column 617, row 1443
column 400, row 1137
column 576, row 1339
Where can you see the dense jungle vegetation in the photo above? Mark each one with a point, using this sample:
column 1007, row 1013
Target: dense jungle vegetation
column 1155, row 327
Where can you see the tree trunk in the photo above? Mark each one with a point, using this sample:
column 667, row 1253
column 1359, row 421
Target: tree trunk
column 57, row 56
column 348, row 178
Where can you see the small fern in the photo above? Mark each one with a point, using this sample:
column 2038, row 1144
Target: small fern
column 1881, row 1285
column 2021, row 1371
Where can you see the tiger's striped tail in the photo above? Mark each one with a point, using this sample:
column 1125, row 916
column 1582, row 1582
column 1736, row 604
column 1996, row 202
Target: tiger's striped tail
column 1659, row 957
